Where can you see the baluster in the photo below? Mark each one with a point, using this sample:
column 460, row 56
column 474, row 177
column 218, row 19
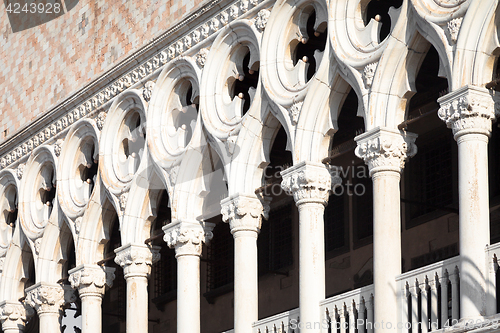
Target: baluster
column 352, row 317
column 361, row 322
column 342, row 313
column 369, row 314
column 434, row 303
column 444, row 299
column 455, row 297
column 405, row 304
column 414, row 307
column 425, row 306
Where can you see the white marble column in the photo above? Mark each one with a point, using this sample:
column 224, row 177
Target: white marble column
column 47, row 299
column 187, row 237
column 91, row 282
column 244, row 215
column 13, row 315
column 385, row 151
column 469, row 112
column 136, row 261
column 310, row 184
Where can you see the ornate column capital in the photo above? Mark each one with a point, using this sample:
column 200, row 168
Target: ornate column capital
column 187, row 237
column 91, row 280
column 244, row 212
column 469, row 109
column 13, row 315
column 136, row 259
column 385, row 149
column 309, row 182
column 45, row 297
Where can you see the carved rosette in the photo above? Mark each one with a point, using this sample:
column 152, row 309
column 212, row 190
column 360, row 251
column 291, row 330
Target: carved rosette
column 45, row 297
column 12, row 315
column 91, row 280
column 188, row 237
column 243, row 212
column 136, row 259
column 469, row 109
column 385, row 149
column 307, row 182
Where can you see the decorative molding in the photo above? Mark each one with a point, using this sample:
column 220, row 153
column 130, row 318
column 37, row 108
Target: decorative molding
column 136, row 259
column 37, row 244
column 188, row 237
column 307, row 182
column 45, row 297
column 201, row 57
column 123, row 201
column 58, row 147
column 20, row 170
column 91, row 280
column 385, row 149
column 454, row 27
column 243, row 212
column 190, row 39
column 469, row 109
column 174, row 171
column 100, row 119
column 294, row 112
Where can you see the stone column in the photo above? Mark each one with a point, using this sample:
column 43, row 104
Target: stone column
column 385, row 151
column 47, row 300
column 244, row 215
column 136, row 261
column 91, row 281
column 310, row 183
column 187, row 237
column 13, row 316
column 469, row 112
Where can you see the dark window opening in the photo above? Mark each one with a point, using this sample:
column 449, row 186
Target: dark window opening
column 280, row 159
column 315, row 42
column 245, row 86
column 88, row 172
column 363, row 204
column 220, row 258
column 379, row 11
column 336, row 228
column 275, row 241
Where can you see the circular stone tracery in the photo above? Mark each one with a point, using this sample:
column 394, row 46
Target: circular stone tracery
column 293, row 46
column 230, row 78
column 123, row 141
column 78, row 168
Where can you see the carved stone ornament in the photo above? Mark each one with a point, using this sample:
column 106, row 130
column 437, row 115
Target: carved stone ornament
column 136, row 259
column 307, row 182
column 37, row 245
column 45, row 297
column 58, row 147
column 20, row 170
column 123, row 201
column 368, row 74
column 243, row 212
column 385, row 149
column 100, row 119
column 294, row 112
column 469, row 109
column 261, row 19
column 454, row 27
column 201, row 57
column 91, row 279
column 187, row 237
column 147, row 91
column 12, row 314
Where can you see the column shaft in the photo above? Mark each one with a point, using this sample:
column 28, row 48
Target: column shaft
column 91, row 313
column 245, row 281
column 188, row 293
column 386, row 244
column 137, row 304
column 473, row 222
column 49, row 322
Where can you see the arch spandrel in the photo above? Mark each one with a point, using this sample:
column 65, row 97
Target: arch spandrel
column 9, row 194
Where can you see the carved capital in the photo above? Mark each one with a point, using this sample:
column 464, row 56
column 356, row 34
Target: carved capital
column 13, row 315
column 91, row 279
column 385, row 149
column 136, row 259
column 468, row 110
column 45, row 297
column 188, row 237
column 243, row 212
column 308, row 182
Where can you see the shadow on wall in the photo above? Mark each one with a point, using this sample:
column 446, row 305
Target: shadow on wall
column 26, row 14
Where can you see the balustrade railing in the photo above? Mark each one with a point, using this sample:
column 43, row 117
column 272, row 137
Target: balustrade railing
column 430, row 296
column 285, row 322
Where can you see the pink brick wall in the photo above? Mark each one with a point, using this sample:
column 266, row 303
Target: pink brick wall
column 41, row 66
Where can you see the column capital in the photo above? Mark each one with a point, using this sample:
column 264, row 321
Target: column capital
column 136, row 259
column 385, row 149
column 469, row 109
column 187, row 237
column 91, row 280
column 45, row 297
column 244, row 212
column 309, row 182
column 13, row 315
